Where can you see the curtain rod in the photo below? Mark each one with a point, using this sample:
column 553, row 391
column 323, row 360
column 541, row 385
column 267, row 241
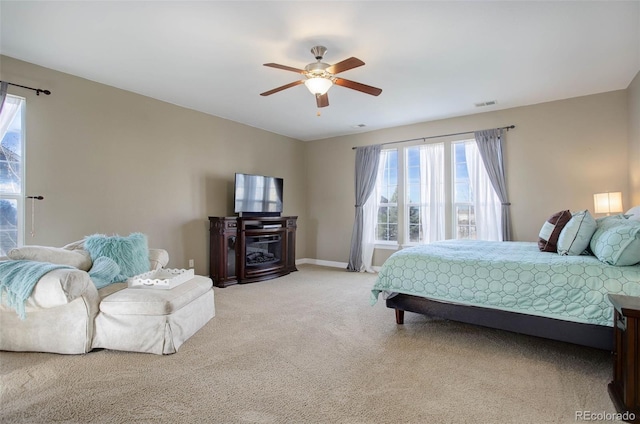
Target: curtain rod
column 510, row 127
column 37, row 90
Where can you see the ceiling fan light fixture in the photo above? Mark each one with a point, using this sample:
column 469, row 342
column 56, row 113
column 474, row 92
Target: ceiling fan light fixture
column 320, row 76
column 318, row 85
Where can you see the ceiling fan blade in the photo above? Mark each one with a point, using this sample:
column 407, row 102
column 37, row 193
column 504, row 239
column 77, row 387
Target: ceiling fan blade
column 286, row 68
column 345, row 65
column 322, row 100
column 357, row 86
column 284, row 87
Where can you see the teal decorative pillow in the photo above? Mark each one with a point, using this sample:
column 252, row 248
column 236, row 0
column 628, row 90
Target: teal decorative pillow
column 104, row 272
column 131, row 253
column 576, row 235
column 617, row 242
column 617, row 217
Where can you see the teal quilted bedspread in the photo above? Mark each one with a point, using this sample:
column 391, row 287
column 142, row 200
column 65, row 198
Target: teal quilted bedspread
column 512, row 276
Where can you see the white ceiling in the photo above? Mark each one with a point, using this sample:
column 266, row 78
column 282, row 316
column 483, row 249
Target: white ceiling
column 432, row 59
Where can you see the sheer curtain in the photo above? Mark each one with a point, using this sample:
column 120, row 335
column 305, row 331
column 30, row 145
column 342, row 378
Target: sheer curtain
column 367, row 162
column 486, row 204
column 432, row 213
column 4, row 86
column 10, row 107
column 370, row 212
column 489, row 144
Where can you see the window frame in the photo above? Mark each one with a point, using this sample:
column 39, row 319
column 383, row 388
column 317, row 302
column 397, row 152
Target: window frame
column 450, row 224
column 21, row 195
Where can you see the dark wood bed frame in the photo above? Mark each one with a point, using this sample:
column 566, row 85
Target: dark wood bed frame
column 597, row 336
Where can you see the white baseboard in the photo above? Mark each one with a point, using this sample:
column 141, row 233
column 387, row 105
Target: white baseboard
column 332, row 264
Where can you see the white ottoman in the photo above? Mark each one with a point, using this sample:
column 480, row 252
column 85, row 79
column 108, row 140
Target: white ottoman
column 154, row 320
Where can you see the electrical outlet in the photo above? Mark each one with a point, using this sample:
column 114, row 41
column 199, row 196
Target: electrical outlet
column 191, row 263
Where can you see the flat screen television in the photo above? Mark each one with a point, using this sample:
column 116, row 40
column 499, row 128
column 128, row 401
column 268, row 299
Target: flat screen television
column 258, row 194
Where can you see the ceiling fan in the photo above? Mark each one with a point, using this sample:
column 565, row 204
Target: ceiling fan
column 320, row 77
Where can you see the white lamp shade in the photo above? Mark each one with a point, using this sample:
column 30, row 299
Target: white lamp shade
column 318, row 85
column 608, row 202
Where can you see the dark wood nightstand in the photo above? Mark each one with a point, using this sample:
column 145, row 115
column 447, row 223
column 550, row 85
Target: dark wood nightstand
column 625, row 387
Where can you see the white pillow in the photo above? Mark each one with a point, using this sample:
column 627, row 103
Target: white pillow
column 634, row 213
column 76, row 245
column 56, row 255
column 576, row 235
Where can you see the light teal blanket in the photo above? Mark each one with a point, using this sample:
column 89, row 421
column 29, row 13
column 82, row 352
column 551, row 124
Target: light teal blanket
column 512, row 276
column 18, row 278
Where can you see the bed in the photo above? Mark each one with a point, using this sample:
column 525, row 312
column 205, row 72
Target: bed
column 508, row 285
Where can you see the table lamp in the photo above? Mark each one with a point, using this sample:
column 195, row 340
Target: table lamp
column 608, row 203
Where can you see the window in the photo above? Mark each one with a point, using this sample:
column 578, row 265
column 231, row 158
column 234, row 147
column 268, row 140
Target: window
column 11, row 174
column 463, row 216
column 433, row 192
column 387, row 195
column 424, row 193
column 413, row 198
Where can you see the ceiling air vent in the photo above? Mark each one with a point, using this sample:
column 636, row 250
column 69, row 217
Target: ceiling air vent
column 487, row 103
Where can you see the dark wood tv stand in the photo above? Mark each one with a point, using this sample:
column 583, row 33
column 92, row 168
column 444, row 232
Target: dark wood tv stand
column 250, row 249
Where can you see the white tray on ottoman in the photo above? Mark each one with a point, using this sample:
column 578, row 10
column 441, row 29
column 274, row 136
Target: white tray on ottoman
column 164, row 279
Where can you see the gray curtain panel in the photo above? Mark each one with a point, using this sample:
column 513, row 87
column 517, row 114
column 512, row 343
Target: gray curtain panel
column 367, row 159
column 3, row 93
column 490, row 146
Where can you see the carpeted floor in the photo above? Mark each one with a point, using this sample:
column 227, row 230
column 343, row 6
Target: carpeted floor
column 308, row 348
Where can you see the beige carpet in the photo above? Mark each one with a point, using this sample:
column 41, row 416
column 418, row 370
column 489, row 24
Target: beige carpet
column 308, row 348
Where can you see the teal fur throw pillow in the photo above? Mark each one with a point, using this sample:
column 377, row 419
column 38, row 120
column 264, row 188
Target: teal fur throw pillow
column 131, row 253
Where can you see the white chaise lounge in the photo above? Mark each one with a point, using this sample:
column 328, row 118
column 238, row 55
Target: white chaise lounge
column 67, row 314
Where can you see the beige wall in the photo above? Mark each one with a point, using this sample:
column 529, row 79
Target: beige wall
column 634, row 140
column 557, row 157
column 110, row 161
